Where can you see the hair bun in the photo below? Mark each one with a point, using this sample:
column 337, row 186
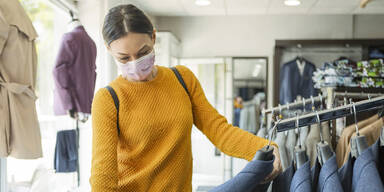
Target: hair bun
column 124, row 12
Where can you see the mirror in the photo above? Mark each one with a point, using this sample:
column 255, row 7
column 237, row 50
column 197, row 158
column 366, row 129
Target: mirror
column 250, row 76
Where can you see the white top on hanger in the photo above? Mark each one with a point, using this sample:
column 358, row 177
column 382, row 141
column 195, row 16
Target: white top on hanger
column 73, row 25
column 301, row 66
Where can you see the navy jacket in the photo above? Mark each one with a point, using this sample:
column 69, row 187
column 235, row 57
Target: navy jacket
column 315, row 171
column 378, row 157
column 248, row 180
column 346, row 172
column 292, row 83
column 365, row 175
column 301, row 181
column 282, row 183
column 329, row 178
column 65, row 159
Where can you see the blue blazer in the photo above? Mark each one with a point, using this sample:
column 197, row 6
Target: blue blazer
column 329, row 178
column 301, row 181
column 378, row 157
column 282, row 183
column 365, row 175
column 346, row 172
column 248, row 180
column 292, row 83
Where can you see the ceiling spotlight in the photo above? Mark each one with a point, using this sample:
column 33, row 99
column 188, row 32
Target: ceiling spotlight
column 292, row 2
column 202, row 2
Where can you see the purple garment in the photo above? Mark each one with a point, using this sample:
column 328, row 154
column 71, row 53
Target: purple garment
column 75, row 73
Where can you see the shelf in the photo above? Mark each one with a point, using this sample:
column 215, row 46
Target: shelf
column 359, row 90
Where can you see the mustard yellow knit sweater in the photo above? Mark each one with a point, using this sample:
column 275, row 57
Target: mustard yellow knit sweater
column 153, row 151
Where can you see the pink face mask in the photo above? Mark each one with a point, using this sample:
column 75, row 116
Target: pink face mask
column 138, row 69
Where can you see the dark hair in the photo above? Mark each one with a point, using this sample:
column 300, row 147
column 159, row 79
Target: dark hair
column 123, row 19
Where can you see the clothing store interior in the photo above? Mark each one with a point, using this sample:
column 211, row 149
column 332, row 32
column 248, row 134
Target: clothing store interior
column 261, row 95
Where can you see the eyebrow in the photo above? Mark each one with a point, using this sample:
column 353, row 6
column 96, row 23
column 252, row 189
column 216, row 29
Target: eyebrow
column 145, row 46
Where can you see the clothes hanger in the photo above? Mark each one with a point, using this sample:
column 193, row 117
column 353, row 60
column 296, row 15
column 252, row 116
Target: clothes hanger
column 324, row 151
column 72, row 16
column 381, row 115
column 313, row 103
column 266, row 153
column 382, row 137
column 359, row 142
column 299, row 151
column 262, row 118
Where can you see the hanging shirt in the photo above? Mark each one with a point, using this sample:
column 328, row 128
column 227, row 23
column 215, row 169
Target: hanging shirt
column 371, row 133
column 301, row 66
column 290, row 144
column 342, row 148
column 280, row 141
column 75, row 73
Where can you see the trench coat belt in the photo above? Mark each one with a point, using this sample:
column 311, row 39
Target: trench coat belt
column 18, row 88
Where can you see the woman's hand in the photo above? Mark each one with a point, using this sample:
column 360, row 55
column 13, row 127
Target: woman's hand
column 277, row 169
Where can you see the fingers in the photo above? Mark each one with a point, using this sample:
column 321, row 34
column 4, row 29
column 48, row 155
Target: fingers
column 275, row 172
column 277, row 169
column 271, row 176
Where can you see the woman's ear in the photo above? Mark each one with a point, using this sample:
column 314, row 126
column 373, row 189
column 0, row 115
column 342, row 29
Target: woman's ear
column 107, row 46
column 154, row 36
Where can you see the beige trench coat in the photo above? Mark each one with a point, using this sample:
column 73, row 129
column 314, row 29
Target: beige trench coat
column 19, row 128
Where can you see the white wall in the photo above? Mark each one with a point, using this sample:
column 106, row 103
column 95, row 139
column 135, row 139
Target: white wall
column 369, row 26
column 255, row 35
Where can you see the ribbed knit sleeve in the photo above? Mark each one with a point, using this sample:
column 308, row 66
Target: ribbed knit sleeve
column 229, row 139
column 104, row 172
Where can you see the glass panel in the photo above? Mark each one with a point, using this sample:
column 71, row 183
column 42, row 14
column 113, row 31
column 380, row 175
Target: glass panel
column 249, row 90
column 249, row 68
column 50, row 23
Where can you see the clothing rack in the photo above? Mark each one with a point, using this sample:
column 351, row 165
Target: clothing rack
column 318, row 98
column 357, row 95
column 330, row 114
column 295, row 104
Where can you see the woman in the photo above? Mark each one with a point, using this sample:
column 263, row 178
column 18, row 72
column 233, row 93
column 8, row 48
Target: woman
column 152, row 151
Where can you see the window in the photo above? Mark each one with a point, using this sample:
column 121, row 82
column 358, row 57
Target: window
column 50, row 23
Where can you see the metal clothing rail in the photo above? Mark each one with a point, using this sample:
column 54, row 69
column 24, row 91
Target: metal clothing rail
column 295, row 104
column 330, row 114
column 357, row 95
column 318, row 98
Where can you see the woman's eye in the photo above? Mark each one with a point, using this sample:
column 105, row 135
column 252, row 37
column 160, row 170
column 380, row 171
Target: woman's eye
column 124, row 58
column 143, row 53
